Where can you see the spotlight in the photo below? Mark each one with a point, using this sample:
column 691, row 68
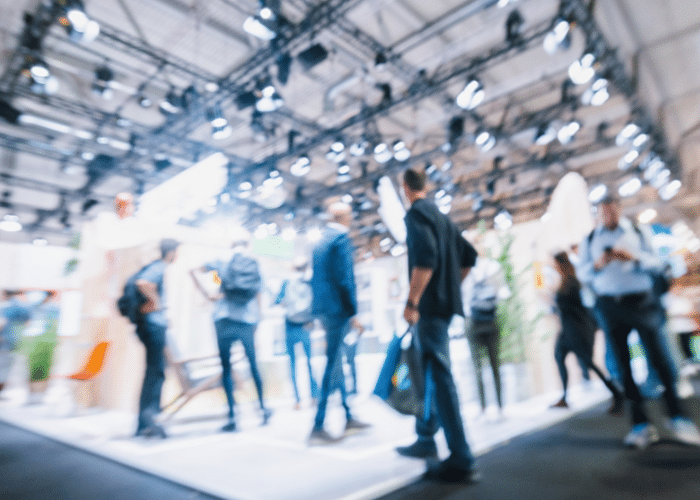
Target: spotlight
column 359, row 148
column 545, row 134
column 380, row 60
column 472, row 95
column 301, row 167
column 627, row 133
column 597, row 193
column 581, row 71
column 627, row 160
column 647, row 216
column 144, row 102
column 597, row 95
column 485, row 140
column 503, row 220
column 78, row 25
column 630, row 187
column 218, row 133
column 338, row 146
column 382, row 154
column 514, row 23
column 172, row 104
column 401, row 152
column 271, row 100
column 567, row 132
column 660, row 179
column 559, row 37
column 40, row 242
column 670, row 190
column 101, row 85
column 11, row 224
column 262, row 25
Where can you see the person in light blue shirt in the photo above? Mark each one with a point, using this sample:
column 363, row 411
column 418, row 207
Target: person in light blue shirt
column 617, row 261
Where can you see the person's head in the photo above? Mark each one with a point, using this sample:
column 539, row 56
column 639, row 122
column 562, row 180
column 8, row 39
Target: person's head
column 609, row 209
column 168, row 250
column 415, row 184
column 340, row 213
column 564, row 266
column 124, row 204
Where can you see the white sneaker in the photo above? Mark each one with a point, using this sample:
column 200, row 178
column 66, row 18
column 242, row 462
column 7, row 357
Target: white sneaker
column 685, row 431
column 641, row 436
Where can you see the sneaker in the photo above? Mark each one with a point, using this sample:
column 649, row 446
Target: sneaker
column 267, row 413
column 617, row 409
column 321, row 436
column 641, row 436
column 354, row 426
column 423, row 448
column 230, row 427
column 560, row 404
column 685, row 431
column 449, row 472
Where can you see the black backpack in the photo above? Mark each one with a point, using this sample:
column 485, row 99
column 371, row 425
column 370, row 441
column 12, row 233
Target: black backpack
column 240, row 279
column 129, row 304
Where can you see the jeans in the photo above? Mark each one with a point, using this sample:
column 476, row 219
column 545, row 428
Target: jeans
column 485, row 336
column 336, row 328
column 152, row 335
column 227, row 332
column 617, row 319
column 296, row 333
column 434, row 346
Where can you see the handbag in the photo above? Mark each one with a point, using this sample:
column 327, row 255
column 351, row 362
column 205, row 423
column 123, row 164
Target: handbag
column 400, row 383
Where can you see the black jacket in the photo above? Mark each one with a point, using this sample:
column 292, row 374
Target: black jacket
column 435, row 242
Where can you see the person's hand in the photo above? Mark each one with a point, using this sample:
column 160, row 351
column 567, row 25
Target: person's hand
column 411, row 315
column 621, row 255
column 603, row 260
column 149, row 307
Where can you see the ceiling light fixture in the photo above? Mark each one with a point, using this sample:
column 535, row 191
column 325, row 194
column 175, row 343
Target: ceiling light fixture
column 597, row 193
column 559, row 37
column 630, row 187
column 101, row 85
column 382, row 154
column 597, row 95
column 301, row 167
column 472, row 95
column 581, row 71
column 545, row 134
column 670, row 190
column 567, row 133
column 11, row 224
column 78, row 25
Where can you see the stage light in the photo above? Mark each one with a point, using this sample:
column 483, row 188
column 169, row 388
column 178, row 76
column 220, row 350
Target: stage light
column 216, row 116
column 598, row 94
column 627, row 160
column 545, row 134
column 660, row 179
column 359, row 148
column 301, row 167
column 472, row 95
column 597, row 193
column 172, row 104
column 11, row 224
column 627, row 133
column 338, row 146
column 647, row 216
column 630, row 187
column 670, row 190
column 503, row 220
column 271, row 100
column 640, row 141
column 261, row 27
column 40, row 242
column 76, row 22
column 101, row 85
column 567, row 133
column 401, row 152
column 382, row 154
column 581, row 71
column 218, row 133
column 559, row 37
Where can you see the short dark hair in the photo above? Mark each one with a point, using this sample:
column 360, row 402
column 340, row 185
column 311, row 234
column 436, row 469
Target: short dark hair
column 168, row 245
column 415, row 179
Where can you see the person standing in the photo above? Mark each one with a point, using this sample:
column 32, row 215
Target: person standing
column 151, row 329
column 296, row 296
column 236, row 317
column 578, row 327
column 335, row 303
column 439, row 259
column 15, row 314
column 482, row 289
column 618, row 261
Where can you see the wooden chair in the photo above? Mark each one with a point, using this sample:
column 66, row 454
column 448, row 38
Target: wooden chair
column 194, row 375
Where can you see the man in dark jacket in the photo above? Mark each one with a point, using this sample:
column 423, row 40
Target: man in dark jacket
column 335, row 303
column 439, row 258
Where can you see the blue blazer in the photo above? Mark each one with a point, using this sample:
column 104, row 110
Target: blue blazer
column 333, row 281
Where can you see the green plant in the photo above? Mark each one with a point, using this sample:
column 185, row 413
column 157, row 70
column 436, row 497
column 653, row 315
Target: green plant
column 511, row 314
column 72, row 264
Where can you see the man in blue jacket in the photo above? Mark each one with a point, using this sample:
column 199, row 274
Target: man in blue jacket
column 335, row 303
column 439, row 258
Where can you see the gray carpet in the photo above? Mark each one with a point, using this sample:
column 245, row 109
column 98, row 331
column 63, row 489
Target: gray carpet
column 579, row 459
column 33, row 467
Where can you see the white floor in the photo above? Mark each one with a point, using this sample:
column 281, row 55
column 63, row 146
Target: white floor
column 274, row 462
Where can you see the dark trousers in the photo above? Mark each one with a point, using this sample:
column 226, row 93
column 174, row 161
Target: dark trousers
column 485, row 336
column 336, row 328
column 227, row 332
column 567, row 343
column 296, row 333
column 152, row 336
column 646, row 315
column 433, row 340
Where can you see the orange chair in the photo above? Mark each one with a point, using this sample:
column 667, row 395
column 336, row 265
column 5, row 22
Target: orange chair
column 93, row 365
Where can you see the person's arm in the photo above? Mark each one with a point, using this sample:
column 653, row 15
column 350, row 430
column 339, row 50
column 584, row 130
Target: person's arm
column 150, row 291
column 198, row 285
column 420, row 277
column 587, row 267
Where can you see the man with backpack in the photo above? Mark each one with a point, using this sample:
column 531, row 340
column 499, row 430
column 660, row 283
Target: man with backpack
column 236, row 316
column 146, row 298
column 296, row 296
